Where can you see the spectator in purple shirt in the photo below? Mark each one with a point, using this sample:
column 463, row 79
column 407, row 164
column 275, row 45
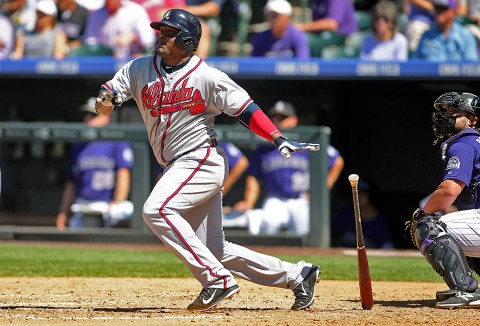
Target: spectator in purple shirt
column 331, row 15
column 282, row 39
column 6, row 37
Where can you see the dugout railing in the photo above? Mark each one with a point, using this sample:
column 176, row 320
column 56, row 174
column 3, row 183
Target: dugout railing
column 319, row 236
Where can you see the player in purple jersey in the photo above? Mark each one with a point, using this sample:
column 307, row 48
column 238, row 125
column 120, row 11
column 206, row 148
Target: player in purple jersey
column 237, row 164
column 98, row 180
column 451, row 243
column 286, row 206
column 282, row 39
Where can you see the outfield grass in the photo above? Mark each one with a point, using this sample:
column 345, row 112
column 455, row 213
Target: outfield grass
column 55, row 261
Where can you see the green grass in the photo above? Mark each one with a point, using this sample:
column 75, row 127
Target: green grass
column 56, row 261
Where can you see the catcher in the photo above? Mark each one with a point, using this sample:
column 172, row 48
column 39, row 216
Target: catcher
column 451, row 243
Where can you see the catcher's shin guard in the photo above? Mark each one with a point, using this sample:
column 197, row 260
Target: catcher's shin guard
column 445, row 255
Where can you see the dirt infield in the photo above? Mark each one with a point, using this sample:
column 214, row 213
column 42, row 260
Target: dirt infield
column 111, row 301
column 141, row 301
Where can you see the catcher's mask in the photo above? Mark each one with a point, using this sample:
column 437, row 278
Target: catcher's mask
column 449, row 107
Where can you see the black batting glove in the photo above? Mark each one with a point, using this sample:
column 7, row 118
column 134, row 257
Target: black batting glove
column 286, row 146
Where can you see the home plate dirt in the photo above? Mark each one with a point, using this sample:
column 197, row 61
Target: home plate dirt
column 141, row 301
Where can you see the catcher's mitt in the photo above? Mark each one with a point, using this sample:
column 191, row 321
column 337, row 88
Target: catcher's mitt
column 412, row 224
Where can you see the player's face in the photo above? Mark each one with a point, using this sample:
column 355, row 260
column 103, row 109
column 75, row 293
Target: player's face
column 462, row 120
column 165, row 43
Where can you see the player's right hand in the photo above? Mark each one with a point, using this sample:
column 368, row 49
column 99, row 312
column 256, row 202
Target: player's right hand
column 286, row 146
column 109, row 98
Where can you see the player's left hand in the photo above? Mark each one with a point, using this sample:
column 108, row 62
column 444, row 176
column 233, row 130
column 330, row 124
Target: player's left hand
column 109, row 98
column 286, row 146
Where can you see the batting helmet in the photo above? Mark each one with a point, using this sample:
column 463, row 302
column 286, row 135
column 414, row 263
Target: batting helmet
column 189, row 26
column 448, row 106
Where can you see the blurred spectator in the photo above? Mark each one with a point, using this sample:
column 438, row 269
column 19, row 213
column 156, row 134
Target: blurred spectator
column 420, row 17
column 98, row 180
column 367, row 5
column 121, row 25
column 469, row 11
column 6, row 37
column 331, row 15
column 46, row 40
column 447, row 40
column 72, row 19
column 21, row 13
column 385, row 42
column 91, row 5
column 282, row 39
column 157, row 8
column 204, row 10
column 286, row 183
column 376, row 228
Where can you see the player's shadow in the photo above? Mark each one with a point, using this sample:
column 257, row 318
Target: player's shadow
column 403, row 304
column 167, row 309
column 124, row 309
column 136, row 309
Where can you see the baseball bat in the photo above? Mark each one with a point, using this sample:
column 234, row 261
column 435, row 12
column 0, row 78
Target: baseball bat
column 366, row 295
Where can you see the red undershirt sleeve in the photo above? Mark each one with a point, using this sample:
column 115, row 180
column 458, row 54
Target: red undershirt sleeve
column 254, row 119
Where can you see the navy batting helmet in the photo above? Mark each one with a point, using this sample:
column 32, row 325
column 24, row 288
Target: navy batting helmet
column 189, row 26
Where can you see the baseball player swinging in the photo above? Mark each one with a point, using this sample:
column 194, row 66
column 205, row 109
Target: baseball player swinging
column 178, row 96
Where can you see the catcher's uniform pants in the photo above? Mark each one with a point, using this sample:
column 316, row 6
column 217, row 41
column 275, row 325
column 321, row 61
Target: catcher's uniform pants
column 185, row 211
column 464, row 226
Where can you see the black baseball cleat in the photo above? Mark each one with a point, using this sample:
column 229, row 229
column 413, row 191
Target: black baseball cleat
column 462, row 299
column 305, row 291
column 445, row 294
column 210, row 297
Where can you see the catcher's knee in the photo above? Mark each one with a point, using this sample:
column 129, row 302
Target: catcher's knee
column 444, row 254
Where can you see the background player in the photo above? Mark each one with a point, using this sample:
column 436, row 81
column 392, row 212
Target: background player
column 98, row 180
column 178, row 96
column 286, row 182
column 446, row 240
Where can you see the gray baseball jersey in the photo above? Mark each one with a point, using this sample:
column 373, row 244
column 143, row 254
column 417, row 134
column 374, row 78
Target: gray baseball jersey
column 185, row 207
column 179, row 108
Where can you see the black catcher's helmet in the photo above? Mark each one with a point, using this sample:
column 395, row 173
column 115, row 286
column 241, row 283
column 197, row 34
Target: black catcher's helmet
column 189, row 26
column 448, row 106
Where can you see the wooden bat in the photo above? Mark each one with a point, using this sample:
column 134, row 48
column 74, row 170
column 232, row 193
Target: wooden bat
column 366, row 295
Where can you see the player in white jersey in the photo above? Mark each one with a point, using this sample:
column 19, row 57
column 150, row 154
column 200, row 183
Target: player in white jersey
column 179, row 96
